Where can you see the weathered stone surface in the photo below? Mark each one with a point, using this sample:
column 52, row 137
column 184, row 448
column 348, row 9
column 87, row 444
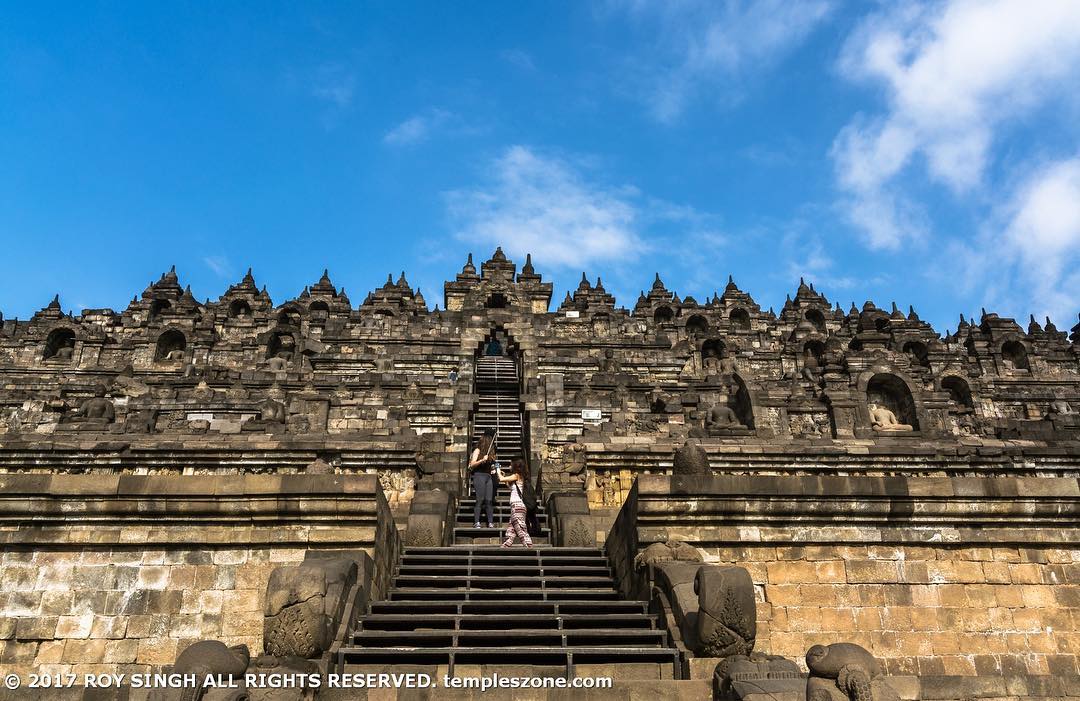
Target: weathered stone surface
column 208, row 657
column 662, row 552
column 691, row 459
column 727, row 615
column 845, row 672
column 759, row 677
column 303, row 603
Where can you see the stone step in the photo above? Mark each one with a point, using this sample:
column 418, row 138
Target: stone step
column 571, row 639
column 465, row 504
column 633, row 681
column 552, row 655
column 570, row 607
column 501, row 510
column 520, row 594
column 465, row 528
column 532, row 570
column 478, row 551
column 510, row 578
column 493, row 540
column 503, row 557
column 504, row 621
column 467, row 535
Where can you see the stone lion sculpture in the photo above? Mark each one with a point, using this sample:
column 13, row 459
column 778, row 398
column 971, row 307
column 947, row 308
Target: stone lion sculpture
column 844, row 672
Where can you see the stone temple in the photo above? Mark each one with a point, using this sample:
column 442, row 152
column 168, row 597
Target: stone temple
column 734, row 503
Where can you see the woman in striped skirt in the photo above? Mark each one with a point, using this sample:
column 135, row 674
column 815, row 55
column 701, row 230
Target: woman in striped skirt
column 517, row 480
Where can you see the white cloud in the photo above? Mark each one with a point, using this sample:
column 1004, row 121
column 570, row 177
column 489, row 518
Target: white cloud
column 1027, row 258
column 219, row 264
column 953, row 73
column 702, row 44
column 543, row 204
column 1044, row 237
column 417, row 128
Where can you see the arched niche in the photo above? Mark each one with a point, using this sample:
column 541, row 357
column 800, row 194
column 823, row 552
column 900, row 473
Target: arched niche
column 890, row 391
column 959, row 392
column 239, row 309
column 714, row 347
column 881, row 324
column 815, row 317
column 663, row 315
column 697, row 325
column 319, row 308
column 814, row 348
column 384, row 314
column 917, row 352
column 159, row 307
column 1014, row 355
column 496, row 300
column 855, row 345
column 281, row 344
column 740, row 319
column 289, row 316
column 170, row 345
column 59, row 346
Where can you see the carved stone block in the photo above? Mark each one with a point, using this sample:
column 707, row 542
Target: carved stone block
column 727, row 613
column 301, row 606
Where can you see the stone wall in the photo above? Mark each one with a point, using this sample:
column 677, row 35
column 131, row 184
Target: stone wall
column 128, row 609
column 116, row 574
column 954, row 576
column 922, row 610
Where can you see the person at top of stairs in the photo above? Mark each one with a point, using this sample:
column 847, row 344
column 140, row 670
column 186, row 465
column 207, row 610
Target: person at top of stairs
column 517, row 480
column 482, row 468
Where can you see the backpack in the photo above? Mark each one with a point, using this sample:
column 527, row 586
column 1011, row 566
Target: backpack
column 528, row 496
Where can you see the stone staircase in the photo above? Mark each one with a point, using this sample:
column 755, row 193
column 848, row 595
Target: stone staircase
column 499, row 406
column 474, row 610
column 466, row 534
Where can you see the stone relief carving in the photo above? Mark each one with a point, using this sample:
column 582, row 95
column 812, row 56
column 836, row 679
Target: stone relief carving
column 301, row 601
column 727, row 618
column 397, row 485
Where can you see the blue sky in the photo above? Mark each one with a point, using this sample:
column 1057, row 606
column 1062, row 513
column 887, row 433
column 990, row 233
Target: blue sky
column 926, row 153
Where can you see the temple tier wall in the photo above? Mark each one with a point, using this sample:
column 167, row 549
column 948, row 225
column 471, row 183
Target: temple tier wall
column 118, row 574
column 934, row 576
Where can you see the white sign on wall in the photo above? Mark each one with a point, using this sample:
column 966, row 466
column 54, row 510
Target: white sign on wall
column 592, row 414
column 573, row 315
